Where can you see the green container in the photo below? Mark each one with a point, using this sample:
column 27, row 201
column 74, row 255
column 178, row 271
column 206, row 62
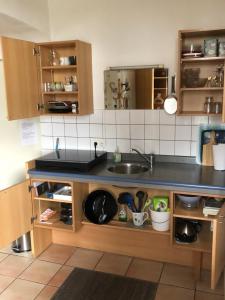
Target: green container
column 160, row 203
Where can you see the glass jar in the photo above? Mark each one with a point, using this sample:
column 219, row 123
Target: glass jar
column 209, row 105
column 217, row 107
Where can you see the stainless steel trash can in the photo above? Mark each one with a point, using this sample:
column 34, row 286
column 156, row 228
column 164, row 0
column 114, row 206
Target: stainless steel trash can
column 22, row 244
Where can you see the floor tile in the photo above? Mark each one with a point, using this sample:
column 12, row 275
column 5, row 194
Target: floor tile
column 207, row 296
column 204, row 284
column 178, row 275
column 145, row 269
column 5, row 282
column 173, row 293
column 57, row 253
column 40, row 271
column 61, row 276
column 22, row 290
column 84, row 258
column 113, row 263
column 8, row 250
column 14, row 265
column 47, row 293
column 3, row 256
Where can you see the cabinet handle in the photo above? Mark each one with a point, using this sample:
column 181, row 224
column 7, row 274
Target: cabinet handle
column 40, row 106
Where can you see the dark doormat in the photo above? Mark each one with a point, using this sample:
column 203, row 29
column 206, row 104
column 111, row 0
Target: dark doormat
column 92, row 285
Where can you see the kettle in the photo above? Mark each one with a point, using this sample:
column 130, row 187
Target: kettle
column 186, row 231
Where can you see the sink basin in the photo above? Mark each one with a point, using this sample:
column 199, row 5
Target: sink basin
column 128, row 168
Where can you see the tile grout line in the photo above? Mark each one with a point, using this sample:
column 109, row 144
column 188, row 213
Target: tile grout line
column 131, row 261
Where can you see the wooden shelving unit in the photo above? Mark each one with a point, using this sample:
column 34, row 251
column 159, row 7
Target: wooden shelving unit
column 127, row 226
column 159, row 84
column 81, row 72
column 191, row 99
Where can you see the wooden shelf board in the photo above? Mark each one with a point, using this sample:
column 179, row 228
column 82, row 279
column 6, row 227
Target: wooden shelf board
column 160, row 88
column 61, row 67
column 160, row 77
column 202, row 89
column 60, row 93
column 203, row 243
column 61, row 114
column 43, row 198
column 127, row 226
column 56, row 226
column 196, row 113
column 195, row 213
column 203, row 59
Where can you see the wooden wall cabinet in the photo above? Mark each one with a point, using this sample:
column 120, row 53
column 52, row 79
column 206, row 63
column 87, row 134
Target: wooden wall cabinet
column 191, row 94
column 27, row 68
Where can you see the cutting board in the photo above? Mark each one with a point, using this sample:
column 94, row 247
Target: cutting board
column 207, row 150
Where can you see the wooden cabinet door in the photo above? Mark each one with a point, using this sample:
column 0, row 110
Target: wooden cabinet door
column 21, row 78
column 15, row 212
column 218, row 247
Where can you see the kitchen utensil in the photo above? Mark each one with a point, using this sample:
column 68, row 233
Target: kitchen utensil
column 160, row 220
column 170, row 103
column 189, row 201
column 207, row 151
column 186, row 231
column 147, row 204
column 140, row 195
column 100, row 207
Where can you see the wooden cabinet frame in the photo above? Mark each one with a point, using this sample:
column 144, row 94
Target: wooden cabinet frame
column 26, row 68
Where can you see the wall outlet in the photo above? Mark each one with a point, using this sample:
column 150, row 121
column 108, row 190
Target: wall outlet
column 100, row 146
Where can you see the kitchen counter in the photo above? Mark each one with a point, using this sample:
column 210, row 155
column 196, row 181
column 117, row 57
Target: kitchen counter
column 164, row 175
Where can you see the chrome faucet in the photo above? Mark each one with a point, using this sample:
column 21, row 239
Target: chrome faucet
column 149, row 158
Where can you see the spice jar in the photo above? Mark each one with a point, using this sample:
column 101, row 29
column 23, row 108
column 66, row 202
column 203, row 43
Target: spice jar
column 217, row 107
column 209, row 105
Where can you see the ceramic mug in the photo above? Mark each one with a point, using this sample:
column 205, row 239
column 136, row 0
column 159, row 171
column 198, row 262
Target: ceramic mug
column 64, row 60
column 139, row 218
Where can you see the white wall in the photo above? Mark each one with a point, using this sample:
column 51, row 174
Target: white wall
column 131, row 32
column 25, row 19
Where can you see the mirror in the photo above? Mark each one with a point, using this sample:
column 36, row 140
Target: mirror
column 140, row 87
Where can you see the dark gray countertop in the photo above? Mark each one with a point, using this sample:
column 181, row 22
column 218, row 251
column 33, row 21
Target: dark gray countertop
column 165, row 175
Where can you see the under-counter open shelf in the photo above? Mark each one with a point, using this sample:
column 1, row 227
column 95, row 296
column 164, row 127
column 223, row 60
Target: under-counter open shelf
column 203, row 242
column 127, row 226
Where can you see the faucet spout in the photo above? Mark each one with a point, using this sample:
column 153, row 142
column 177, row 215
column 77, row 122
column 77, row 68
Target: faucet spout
column 149, row 159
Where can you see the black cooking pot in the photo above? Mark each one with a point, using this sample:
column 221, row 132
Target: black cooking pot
column 100, row 207
column 186, row 231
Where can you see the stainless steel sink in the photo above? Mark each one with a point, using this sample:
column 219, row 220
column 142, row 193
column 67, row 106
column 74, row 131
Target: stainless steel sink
column 128, row 168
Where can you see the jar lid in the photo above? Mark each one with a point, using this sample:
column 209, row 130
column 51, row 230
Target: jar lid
column 209, row 99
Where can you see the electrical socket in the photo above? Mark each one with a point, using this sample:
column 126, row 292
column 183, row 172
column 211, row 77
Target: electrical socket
column 101, row 144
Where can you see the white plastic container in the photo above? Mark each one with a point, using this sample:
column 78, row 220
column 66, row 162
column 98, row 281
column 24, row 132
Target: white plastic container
column 160, row 220
column 219, row 157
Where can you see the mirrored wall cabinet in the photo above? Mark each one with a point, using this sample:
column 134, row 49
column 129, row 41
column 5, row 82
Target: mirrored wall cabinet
column 144, row 87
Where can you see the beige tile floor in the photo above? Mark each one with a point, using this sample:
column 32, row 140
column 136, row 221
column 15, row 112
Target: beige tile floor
column 22, row 277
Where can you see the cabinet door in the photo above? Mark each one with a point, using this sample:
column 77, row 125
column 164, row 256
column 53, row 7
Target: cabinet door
column 15, row 212
column 21, row 78
column 218, row 247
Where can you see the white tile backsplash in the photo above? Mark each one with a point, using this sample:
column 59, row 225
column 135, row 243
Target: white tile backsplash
column 165, row 118
column 71, row 142
column 123, row 131
column 58, row 129
column 83, row 130
column 109, row 131
column 138, row 144
column 183, row 133
column 167, row 132
column 137, row 132
column 96, row 130
column 151, row 116
column 96, row 117
column 151, row 146
column 137, row 116
column 182, row 148
column 71, row 130
column 151, row 131
column 166, row 147
column 122, row 117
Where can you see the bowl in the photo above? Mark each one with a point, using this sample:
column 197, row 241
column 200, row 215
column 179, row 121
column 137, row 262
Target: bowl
column 189, row 201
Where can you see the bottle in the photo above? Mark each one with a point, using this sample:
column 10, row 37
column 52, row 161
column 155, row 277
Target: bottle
column 158, row 101
column 122, row 213
column 209, row 105
column 117, row 156
column 53, row 58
